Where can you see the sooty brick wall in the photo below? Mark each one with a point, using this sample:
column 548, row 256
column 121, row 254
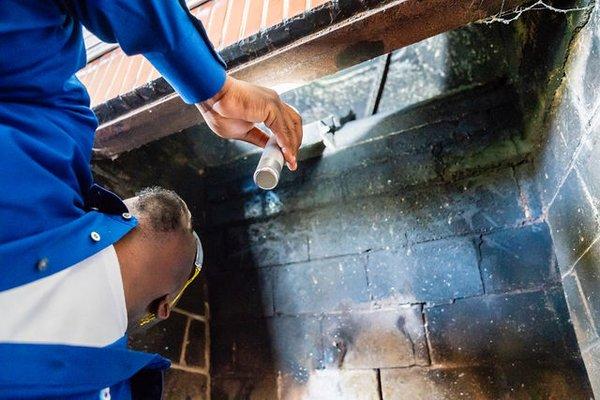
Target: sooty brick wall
column 567, row 173
column 419, row 261
column 409, row 264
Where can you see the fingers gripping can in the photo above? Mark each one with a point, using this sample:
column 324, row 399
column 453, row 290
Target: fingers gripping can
column 269, row 166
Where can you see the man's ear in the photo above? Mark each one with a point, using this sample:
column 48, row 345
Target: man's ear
column 163, row 310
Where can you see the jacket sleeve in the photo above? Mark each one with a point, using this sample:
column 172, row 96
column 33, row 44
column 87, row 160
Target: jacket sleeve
column 165, row 32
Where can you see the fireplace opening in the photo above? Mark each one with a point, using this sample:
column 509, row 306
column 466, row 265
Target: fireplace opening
column 426, row 257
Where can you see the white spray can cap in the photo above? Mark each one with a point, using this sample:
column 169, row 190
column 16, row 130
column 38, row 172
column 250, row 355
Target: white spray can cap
column 269, row 166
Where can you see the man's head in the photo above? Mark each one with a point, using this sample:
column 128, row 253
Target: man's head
column 157, row 257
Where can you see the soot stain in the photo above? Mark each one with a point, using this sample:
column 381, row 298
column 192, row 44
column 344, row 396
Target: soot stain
column 359, row 52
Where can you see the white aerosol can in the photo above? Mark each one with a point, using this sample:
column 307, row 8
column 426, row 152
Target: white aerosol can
column 269, row 166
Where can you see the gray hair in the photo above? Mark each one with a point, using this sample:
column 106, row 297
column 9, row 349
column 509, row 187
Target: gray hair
column 163, row 209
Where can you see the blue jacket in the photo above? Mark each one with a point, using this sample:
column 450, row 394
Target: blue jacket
column 72, row 372
column 47, row 196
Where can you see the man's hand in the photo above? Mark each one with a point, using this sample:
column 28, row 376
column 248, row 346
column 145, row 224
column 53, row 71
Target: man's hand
column 233, row 112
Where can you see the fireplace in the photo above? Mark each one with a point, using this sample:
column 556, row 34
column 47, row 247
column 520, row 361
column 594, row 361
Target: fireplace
column 427, row 255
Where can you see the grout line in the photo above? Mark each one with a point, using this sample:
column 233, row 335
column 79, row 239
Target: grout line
column 190, row 369
column 184, row 343
column 570, row 168
column 589, row 346
column 425, row 324
column 379, row 386
column 210, row 20
column 479, row 263
column 286, row 9
column 190, row 315
column 366, row 269
column 572, row 266
column 481, row 232
column 384, row 306
column 586, row 192
column 263, row 17
column 114, row 71
column 586, row 305
column 244, row 23
column 106, row 75
column 130, row 61
column 523, row 198
column 226, row 21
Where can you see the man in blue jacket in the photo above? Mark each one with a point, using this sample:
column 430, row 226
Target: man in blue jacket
column 65, row 241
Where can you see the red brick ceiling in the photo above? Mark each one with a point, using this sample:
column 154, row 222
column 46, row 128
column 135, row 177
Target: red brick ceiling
column 226, row 22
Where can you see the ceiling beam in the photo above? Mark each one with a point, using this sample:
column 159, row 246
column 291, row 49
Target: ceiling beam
column 346, row 39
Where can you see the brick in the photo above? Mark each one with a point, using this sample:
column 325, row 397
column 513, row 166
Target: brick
column 587, row 270
column 244, row 387
column 334, row 384
column 128, row 77
column 196, row 348
column 587, row 167
column 560, row 144
column 591, row 357
column 578, row 310
column 427, row 272
column 502, row 328
column 214, row 29
column 389, row 176
column 274, row 12
column 296, row 345
column 375, row 339
column 551, row 166
column 590, row 79
column 320, row 286
column 118, row 71
column 430, row 68
column 233, row 23
column 241, row 347
column 474, row 151
column 567, row 119
column 530, row 199
column 320, row 384
column 253, row 21
column 276, row 241
column 241, row 294
column 355, row 227
column 477, row 204
column 183, row 385
column 513, row 381
column 144, row 72
column 295, row 7
column 573, row 221
column 518, row 258
column 347, row 161
column 164, row 338
column 301, row 195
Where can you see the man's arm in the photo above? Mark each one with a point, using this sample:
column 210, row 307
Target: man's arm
column 176, row 44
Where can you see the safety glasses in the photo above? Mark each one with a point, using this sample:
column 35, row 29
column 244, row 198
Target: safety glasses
column 150, row 317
